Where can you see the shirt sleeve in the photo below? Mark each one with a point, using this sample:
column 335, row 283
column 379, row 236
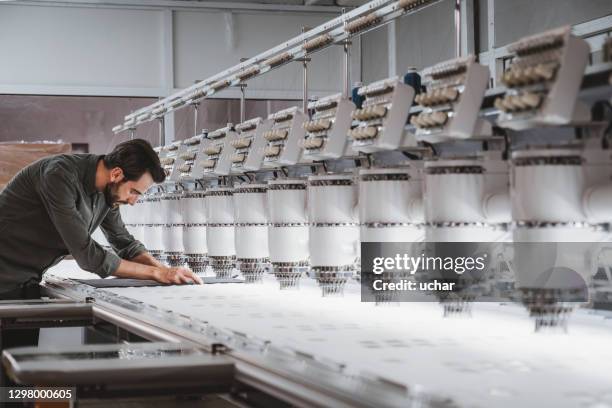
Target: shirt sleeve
column 124, row 244
column 58, row 194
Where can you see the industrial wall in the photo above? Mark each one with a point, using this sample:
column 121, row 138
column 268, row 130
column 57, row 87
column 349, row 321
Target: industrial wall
column 426, row 38
column 88, row 119
column 93, row 51
column 207, row 43
column 517, row 18
column 72, row 119
column 149, row 52
column 74, row 54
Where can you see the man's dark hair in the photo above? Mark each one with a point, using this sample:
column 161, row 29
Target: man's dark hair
column 135, row 157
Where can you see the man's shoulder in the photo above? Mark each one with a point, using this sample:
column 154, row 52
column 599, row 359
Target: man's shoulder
column 69, row 164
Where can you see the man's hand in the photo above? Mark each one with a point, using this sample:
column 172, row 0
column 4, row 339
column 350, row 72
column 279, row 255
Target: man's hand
column 176, row 276
column 162, row 274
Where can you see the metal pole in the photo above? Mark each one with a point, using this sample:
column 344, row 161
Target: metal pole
column 132, row 132
column 392, row 49
column 162, row 131
column 305, row 90
column 458, row 27
column 346, row 72
column 195, row 119
column 305, row 83
column 491, row 41
column 242, row 103
column 347, row 69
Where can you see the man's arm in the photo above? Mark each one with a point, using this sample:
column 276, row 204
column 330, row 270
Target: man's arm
column 129, row 269
column 137, row 262
column 124, row 244
column 58, row 195
column 145, row 258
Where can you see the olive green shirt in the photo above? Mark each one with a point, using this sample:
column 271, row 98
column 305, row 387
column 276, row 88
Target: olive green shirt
column 49, row 210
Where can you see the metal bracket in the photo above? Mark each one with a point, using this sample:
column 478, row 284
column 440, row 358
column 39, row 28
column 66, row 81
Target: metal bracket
column 22, row 314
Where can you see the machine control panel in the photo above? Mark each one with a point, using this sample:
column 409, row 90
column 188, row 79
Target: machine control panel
column 326, row 132
column 249, row 145
column 284, row 138
column 451, row 104
column 217, row 152
column 168, row 156
column 543, row 81
column 383, row 115
column 187, row 158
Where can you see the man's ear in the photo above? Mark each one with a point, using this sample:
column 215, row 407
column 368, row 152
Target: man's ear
column 116, row 175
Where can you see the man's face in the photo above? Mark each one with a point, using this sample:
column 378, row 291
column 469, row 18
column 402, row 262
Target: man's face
column 120, row 191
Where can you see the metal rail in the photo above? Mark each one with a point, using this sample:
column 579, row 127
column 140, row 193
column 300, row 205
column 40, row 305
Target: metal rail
column 356, row 22
column 300, row 380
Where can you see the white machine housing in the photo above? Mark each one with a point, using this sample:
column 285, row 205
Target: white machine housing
column 584, row 185
column 391, row 203
column 467, row 199
column 543, row 81
column 455, row 90
column 249, row 145
column 283, row 146
column 167, row 156
column 185, row 163
column 217, row 152
column 383, row 116
column 326, row 133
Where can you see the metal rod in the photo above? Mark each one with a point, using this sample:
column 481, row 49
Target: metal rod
column 139, row 328
column 346, row 72
column 162, row 131
column 242, row 102
column 305, row 90
column 292, row 49
column 195, row 118
column 346, row 75
column 458, row 27
column 305, row 79
column 347, row 69
column 132, row 132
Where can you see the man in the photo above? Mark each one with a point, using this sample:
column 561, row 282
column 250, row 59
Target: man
column 50, row 208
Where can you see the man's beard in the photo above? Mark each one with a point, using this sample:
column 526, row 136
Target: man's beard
column 110, row 195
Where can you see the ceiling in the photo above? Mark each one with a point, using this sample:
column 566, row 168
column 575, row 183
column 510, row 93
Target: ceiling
column 332, row 6
column 334, row 3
